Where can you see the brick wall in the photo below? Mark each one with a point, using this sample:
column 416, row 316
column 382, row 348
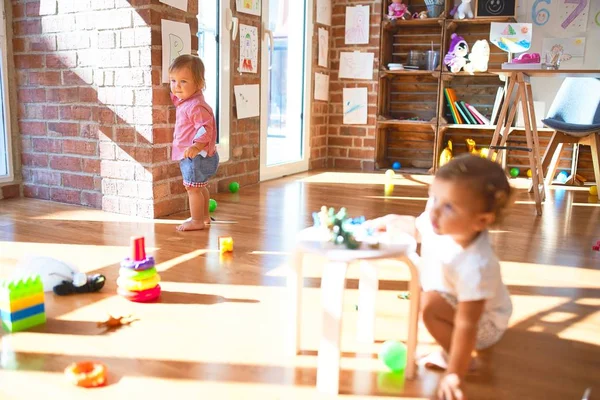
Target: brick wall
column 352, row 146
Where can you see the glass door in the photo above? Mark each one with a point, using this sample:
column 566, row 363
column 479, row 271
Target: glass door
column 6, row 173
column 285, row 88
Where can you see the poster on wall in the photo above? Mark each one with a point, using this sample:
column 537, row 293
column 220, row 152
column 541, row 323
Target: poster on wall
column 573, row 14
column 357, row 25
column 248, row 49
column 324, row 12
column 248, row 6
column 247, row 101
column 323, row 47
column 321, row 86
column 570, row 50
column 355, row 105
column 177, row 40
column 181, row 4
column 496, row 8
column 356, row 65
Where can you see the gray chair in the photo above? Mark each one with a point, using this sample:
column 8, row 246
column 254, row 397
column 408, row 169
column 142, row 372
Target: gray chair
column 575, row 117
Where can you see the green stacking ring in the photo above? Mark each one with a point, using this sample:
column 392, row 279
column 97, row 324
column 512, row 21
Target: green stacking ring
column 129, row 273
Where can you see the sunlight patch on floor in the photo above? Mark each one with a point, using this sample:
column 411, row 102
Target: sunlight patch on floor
column 534, row 275
column 363, row 178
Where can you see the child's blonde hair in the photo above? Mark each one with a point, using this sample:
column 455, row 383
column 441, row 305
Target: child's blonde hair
column 484, row 178
column 195, row 65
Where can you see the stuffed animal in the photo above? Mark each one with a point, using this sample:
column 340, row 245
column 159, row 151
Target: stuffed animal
column 464, row 10
column 398, row 10
column 456, row 58
column 479, row 57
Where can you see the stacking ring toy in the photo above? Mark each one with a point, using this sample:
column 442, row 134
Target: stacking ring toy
column 138, row 286
column 141, row 265
column 87, row 374
column 140, row 297
column 129, row 273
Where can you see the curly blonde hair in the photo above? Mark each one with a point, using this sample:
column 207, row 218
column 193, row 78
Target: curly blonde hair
column 485, row 179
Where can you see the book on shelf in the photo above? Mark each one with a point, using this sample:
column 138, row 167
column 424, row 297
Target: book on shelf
column 462, row 112
column 497, row 104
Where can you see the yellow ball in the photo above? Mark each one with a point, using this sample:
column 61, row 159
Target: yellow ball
column 529, row 173
column 390, row 173
column 388, row 189
column 594, row 190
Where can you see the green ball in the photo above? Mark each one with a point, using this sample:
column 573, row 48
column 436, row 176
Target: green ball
column 212, row 205
column 393, row 355
column 234, row 187
column 514, row 172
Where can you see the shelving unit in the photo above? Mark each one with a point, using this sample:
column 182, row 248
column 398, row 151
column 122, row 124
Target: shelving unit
column 414, row 122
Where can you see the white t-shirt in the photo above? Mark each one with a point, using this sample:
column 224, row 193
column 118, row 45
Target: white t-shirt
column 469, row 274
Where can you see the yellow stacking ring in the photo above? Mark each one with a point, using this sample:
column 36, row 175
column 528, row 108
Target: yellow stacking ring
column 138, row 286
column 129, row 273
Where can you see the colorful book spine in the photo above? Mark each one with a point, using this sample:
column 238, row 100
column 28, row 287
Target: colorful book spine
column 482, row 119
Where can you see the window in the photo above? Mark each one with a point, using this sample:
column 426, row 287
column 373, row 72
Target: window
column 213, row 48
column 6, row 173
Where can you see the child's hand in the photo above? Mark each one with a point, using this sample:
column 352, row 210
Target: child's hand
column 191, row 152
column 450, row 388
column 397, row 223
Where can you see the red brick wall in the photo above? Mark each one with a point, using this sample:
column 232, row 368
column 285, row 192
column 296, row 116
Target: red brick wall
column 352, row 146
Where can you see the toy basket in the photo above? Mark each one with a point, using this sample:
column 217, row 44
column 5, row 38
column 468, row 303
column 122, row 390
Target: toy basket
column 434, row 8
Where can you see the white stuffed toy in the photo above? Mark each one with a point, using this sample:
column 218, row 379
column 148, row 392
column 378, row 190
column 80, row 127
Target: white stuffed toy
column 479, row 57
column 464, row 10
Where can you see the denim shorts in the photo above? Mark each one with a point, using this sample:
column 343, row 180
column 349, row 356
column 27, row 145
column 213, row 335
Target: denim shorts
column 197, row 171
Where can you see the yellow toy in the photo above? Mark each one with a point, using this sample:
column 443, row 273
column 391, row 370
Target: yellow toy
column 471, row 147
column 594, row 190
column 446, row 155
column 484, row 153
column 22, row 304
column 225, row 244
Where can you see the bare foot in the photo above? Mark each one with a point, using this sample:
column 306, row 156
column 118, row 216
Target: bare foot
column 439, row 360
column 207, row 222
column 191, row 225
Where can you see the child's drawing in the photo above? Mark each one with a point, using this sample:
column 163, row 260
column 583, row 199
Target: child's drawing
column 357, row 25
column 574, row 14
column 356, row 65
column 570, row 50
column 323, row 47
column 248, row 6
column 179, row 41
column 355, row 105
column 324, row 12
column 248, row 48
column 511, row 37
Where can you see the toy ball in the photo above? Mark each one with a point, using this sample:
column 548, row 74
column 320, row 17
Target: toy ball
column 212, row 205
column 594, row 190
column 388, row 189
column 514, row 172
column 390, row 173
column 393, row 355
column 529, row 174
column 396, row 165
column 234, row 187
column 562, row 177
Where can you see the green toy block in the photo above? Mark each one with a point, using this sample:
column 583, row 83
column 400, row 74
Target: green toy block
column 24, row 323
column 18, row 289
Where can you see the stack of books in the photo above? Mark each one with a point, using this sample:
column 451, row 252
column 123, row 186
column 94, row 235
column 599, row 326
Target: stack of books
column 464, row 113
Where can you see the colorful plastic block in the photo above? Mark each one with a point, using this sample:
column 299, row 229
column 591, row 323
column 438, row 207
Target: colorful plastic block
column 225, row 244
column 22, row 303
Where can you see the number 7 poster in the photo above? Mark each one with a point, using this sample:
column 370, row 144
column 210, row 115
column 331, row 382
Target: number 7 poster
column 573, row 14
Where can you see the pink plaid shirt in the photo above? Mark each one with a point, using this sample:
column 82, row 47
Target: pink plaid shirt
column 192, row 114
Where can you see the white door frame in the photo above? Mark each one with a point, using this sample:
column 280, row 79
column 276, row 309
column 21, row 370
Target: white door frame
column 279, row 170
column 5, row 118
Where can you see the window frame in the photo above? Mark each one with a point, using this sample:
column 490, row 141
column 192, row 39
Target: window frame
column 4, row 93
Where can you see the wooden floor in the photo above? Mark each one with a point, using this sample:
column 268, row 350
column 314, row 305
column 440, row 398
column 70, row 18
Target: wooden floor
column 218, row 331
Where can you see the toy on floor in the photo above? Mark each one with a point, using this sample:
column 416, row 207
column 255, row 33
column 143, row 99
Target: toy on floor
column 562, row 177
column 514, row 172
column 87, row 374
column 397, row 10
column 393, row 355
column 113, row 323
column 22, row 304
column 138, row 279
column 446, row 155
column 225, row 244
column 234, row 187
column 58, row 276
column 529, row 173
column 456, row 58
column 596, row 247
column 594, row 190
column 396, row 165
column 212, row 205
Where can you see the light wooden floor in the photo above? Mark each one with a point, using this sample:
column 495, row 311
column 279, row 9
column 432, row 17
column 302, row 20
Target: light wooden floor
column 217, row 332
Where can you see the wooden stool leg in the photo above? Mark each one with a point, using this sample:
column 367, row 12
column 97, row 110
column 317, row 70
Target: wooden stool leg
column 502, row 153
column 529, row 136
column 328, row 360
column 368, row 285
column 554, row 164
column 539, row 171
column 412, row 261
column 595, row 147
column 295, row 282
column 503, row 111
column 572, row 180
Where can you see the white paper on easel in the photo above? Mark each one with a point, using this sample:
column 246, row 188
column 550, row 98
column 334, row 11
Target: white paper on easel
column 323, row 47
column 355, row 105
column 324, row 12
column 177, row 40
column 248, row 48
column 357, row 25
column 247, row 101
column 321, row 87
column 181, row 4
column 356, row 65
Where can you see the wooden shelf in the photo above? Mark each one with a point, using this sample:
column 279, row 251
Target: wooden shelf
column 385, row 73
column 487, row 127
column 383, row 121
column 405, row 23
column 463, row 73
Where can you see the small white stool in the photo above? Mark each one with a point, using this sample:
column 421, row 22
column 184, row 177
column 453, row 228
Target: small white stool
column 312, row 240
